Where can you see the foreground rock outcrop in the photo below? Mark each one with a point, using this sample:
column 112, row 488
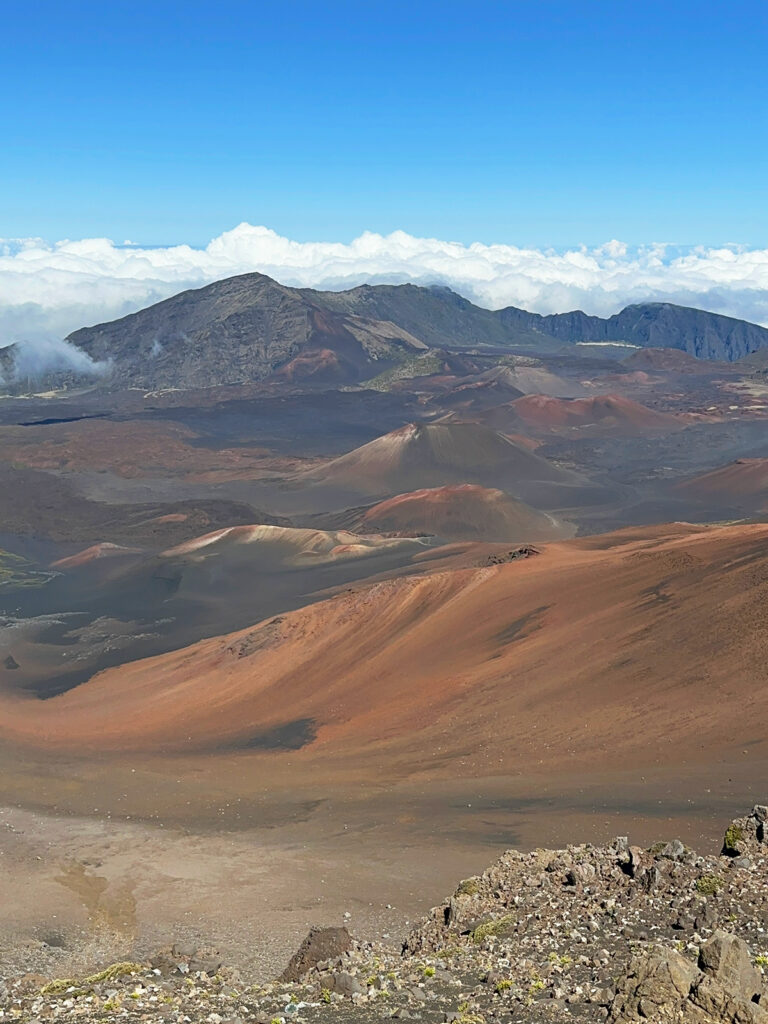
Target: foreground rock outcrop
column 610, row 933
column 663, row 985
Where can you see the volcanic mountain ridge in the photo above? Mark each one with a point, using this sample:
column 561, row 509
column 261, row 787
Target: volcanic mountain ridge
column 250, row 327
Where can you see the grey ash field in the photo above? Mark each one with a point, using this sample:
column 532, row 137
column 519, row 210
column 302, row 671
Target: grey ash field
column 314, row 603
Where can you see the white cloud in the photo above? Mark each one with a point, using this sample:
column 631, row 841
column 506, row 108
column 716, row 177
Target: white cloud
column 34, row 358
column 48, row 290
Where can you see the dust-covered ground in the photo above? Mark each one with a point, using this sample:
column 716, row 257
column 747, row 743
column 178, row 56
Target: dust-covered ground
column 79, row 890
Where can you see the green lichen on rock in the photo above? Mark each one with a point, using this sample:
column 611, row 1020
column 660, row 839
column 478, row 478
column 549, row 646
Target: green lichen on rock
column 499, row 926
column 61, row 985
column 733, row 836
column 709, row 885
column 469, row 887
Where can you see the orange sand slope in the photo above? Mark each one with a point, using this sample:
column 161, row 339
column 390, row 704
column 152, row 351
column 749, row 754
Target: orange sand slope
column 463, row 512
column 629, row 648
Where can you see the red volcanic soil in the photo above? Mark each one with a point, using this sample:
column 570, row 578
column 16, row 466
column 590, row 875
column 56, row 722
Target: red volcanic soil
column 744, row 478
column 132, row 449
column 628, row 650
column 463, row 512
column 607, row 412
column 95, row 553
column 434, row 454
column 318, row 364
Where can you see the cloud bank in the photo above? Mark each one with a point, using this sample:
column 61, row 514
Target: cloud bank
column 50, row 289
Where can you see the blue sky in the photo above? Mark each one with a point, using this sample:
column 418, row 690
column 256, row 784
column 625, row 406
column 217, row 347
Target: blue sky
column 537, row 122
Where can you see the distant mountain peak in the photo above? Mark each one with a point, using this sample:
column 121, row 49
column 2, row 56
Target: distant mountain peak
column 250, row 327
